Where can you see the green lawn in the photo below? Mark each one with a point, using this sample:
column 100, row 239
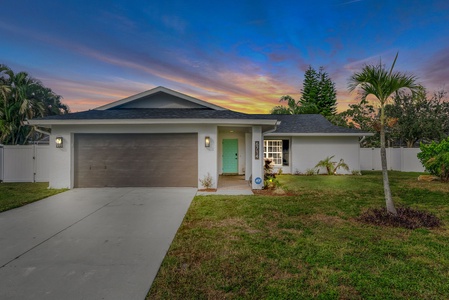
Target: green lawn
column 17, row 194
column 309, row 245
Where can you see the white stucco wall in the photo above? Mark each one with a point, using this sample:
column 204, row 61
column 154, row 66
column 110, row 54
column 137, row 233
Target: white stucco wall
column 240, row 136
column 61, row 171
column 257, row 163
column 207, row 157
column 306, row 152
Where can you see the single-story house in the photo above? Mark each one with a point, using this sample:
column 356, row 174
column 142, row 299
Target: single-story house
column 165, row 138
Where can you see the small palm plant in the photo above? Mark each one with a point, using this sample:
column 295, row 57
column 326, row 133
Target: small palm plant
column 332, row 166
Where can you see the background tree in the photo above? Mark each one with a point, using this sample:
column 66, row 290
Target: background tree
column 319, row 96
column 418, row 118
column 23, row 97
column 381, row 83
column 327, row 94
column 362, row 116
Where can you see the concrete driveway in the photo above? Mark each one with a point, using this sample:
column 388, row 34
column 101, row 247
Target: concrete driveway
column 103, row 243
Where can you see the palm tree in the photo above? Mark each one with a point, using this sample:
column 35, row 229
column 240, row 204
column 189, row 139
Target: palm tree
column 332, row 166
column 19, row 102
column 377, row 81
column 294, row 107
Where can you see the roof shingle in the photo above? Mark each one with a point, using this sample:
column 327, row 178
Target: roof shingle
column 294, row 124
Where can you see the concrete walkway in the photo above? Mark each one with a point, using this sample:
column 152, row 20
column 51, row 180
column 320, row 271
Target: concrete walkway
column 230, row 185
column 89, row 243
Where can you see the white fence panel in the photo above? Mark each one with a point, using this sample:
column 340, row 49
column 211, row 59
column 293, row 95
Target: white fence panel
column 28, row 163
column 18, row 163
column 394, row 158
column 398, row 159
column 410, row 161
column 42, row 163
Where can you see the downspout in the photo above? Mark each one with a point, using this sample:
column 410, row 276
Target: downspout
column 274, row 129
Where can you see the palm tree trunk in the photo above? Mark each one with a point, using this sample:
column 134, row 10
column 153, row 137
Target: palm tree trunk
column 383, row 158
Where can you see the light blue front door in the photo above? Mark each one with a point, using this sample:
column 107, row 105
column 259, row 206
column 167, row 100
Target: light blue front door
column 230, row 156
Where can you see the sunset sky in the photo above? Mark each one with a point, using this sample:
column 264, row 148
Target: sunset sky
column 243, row 55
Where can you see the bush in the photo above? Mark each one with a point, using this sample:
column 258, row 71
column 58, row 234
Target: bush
column 407, row 218
column 435, row 158
column 207, row 182
column 270, row 181
column 310, row 172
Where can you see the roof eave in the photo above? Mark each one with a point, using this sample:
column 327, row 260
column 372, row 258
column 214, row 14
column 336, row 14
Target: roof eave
column 49, row 123
column 321, row 134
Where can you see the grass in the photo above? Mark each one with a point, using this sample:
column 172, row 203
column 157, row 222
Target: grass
column 14, row 195
column 309, row 245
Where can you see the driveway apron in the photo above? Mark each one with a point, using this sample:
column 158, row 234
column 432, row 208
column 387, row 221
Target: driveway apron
column 103, row 243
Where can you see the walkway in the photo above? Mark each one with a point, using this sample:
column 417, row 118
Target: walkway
column 231, row 185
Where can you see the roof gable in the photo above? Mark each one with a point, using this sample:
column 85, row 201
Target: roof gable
column 160, row 97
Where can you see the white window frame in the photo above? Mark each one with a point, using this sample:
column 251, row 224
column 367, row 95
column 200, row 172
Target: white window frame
column 272, row 149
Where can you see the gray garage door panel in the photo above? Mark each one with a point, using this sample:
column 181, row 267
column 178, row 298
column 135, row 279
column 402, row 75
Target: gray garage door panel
column 120, row 160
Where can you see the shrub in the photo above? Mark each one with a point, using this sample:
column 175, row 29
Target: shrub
column 207, row 182
column 268, row 168
column 407, row 218
column 310, row 172
column 435, row 158
column 270, row 181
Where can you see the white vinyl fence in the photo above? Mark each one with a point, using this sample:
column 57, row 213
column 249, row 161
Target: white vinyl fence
column 398, row 159
column 28, row 163
column 31, row 163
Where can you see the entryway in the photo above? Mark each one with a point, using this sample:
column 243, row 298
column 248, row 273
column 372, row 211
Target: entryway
column 231, row 185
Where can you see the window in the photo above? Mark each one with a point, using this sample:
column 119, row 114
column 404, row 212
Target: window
column 277, row 151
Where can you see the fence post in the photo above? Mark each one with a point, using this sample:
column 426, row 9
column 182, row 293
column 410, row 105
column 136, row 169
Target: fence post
column 1, row 163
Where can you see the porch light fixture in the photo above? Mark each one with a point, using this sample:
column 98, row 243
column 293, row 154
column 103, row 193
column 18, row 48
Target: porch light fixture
column 207, row 141
column 59, row 142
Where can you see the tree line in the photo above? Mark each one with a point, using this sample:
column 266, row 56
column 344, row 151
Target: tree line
column 23, row 97
column 410, row 117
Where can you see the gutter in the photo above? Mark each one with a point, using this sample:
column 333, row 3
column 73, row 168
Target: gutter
column 27, row 122
column 274, row 129
column 41, row 131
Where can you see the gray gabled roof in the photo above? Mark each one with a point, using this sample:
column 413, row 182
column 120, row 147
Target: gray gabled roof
column 152, row 113
column 310, row 124
column 157, row 90
column 288, row 125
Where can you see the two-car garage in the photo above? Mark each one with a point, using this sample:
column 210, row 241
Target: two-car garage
column 133, row 160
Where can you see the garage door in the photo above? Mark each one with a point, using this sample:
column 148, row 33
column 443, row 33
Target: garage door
column 121, row 160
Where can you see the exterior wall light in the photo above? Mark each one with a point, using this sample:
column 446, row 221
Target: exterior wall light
column 207, row 141
column 59, row 141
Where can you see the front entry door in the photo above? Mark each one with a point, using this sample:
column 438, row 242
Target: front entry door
column 230, row 156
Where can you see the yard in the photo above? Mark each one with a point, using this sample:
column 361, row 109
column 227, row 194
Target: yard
column 17, row 194
column 309, row 244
